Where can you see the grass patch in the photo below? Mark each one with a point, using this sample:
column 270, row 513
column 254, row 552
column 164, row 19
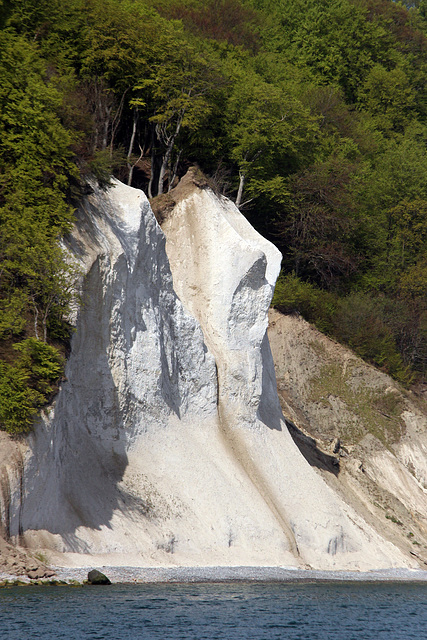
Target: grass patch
column 376, row 411
column 394, row 519
column 41, row 557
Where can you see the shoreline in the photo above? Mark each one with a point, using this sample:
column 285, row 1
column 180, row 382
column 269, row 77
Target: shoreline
column 221, row 574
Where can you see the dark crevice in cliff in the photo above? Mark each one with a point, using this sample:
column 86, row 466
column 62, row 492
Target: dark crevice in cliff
column 311, row 452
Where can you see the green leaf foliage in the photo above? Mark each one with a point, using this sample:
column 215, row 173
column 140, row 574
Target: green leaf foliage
column 36, row 169
column 18, row 401
column 27, row 385
column 357, row 320
column 311, row 115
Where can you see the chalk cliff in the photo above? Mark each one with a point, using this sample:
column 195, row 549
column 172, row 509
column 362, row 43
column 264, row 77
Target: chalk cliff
column 166, row 444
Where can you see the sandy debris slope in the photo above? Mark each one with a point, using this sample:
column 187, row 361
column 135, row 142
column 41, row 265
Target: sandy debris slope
column 364, row 433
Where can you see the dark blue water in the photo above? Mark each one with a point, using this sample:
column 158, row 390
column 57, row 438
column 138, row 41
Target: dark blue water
column 340, row 611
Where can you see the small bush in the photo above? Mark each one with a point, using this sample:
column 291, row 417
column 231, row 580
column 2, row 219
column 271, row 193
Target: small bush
column 293, row 295
column 359, row 321
column 12, row 310
column 42, row 361
column 18, row 401
column 27, row 384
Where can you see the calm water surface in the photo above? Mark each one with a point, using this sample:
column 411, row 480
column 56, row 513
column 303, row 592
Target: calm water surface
column 224, row 611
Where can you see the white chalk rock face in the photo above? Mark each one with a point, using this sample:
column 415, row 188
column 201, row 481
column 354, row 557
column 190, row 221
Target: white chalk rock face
column 166, row 444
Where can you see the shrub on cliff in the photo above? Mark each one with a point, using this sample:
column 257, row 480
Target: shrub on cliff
column 27, row 384
column 358, row 320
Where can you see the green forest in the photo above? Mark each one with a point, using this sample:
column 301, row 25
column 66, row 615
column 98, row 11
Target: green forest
column 309, row 114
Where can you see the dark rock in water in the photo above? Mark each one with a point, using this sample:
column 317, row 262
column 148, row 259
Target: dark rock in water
column 96, row 577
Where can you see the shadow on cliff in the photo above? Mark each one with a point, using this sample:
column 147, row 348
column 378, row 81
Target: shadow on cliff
column 311, row 452
column 80, row 457
column 82, row 453
column 269, row 410
column 84, row 222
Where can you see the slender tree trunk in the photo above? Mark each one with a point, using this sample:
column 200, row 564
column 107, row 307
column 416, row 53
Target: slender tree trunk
column 116, row 121
column 175, row 170
column 95, row 140
column 131, row 143
column 36, row 318
column 150, row 182
column 169, row 141
column 97, row 108
column 165, row 164
column 161, row 178
column 162, row 173
column 152, row 146
column 45, row 317
column 297, row 262
column 242, row 179
column 45, row 328
column 107, row 111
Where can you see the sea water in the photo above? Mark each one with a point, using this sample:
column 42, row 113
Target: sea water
column 228, row 611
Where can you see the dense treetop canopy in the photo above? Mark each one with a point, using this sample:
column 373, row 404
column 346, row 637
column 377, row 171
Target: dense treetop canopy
column 311, row 115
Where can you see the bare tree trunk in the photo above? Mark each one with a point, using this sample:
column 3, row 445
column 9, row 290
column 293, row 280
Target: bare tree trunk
column 165, row 163
column 131, row 143
column 45, row 317
column 150, row 182
column 116, row 121
column 132, row 167
column 169, row 142
column 242, row 179
column 45, row 327
column 106, row 126
column 96, row 108
column 162, row 173
column 101, row 103
column 175, row 169
column 36, row 317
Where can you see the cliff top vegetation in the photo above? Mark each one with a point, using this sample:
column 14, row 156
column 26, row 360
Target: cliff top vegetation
column 310, row 115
